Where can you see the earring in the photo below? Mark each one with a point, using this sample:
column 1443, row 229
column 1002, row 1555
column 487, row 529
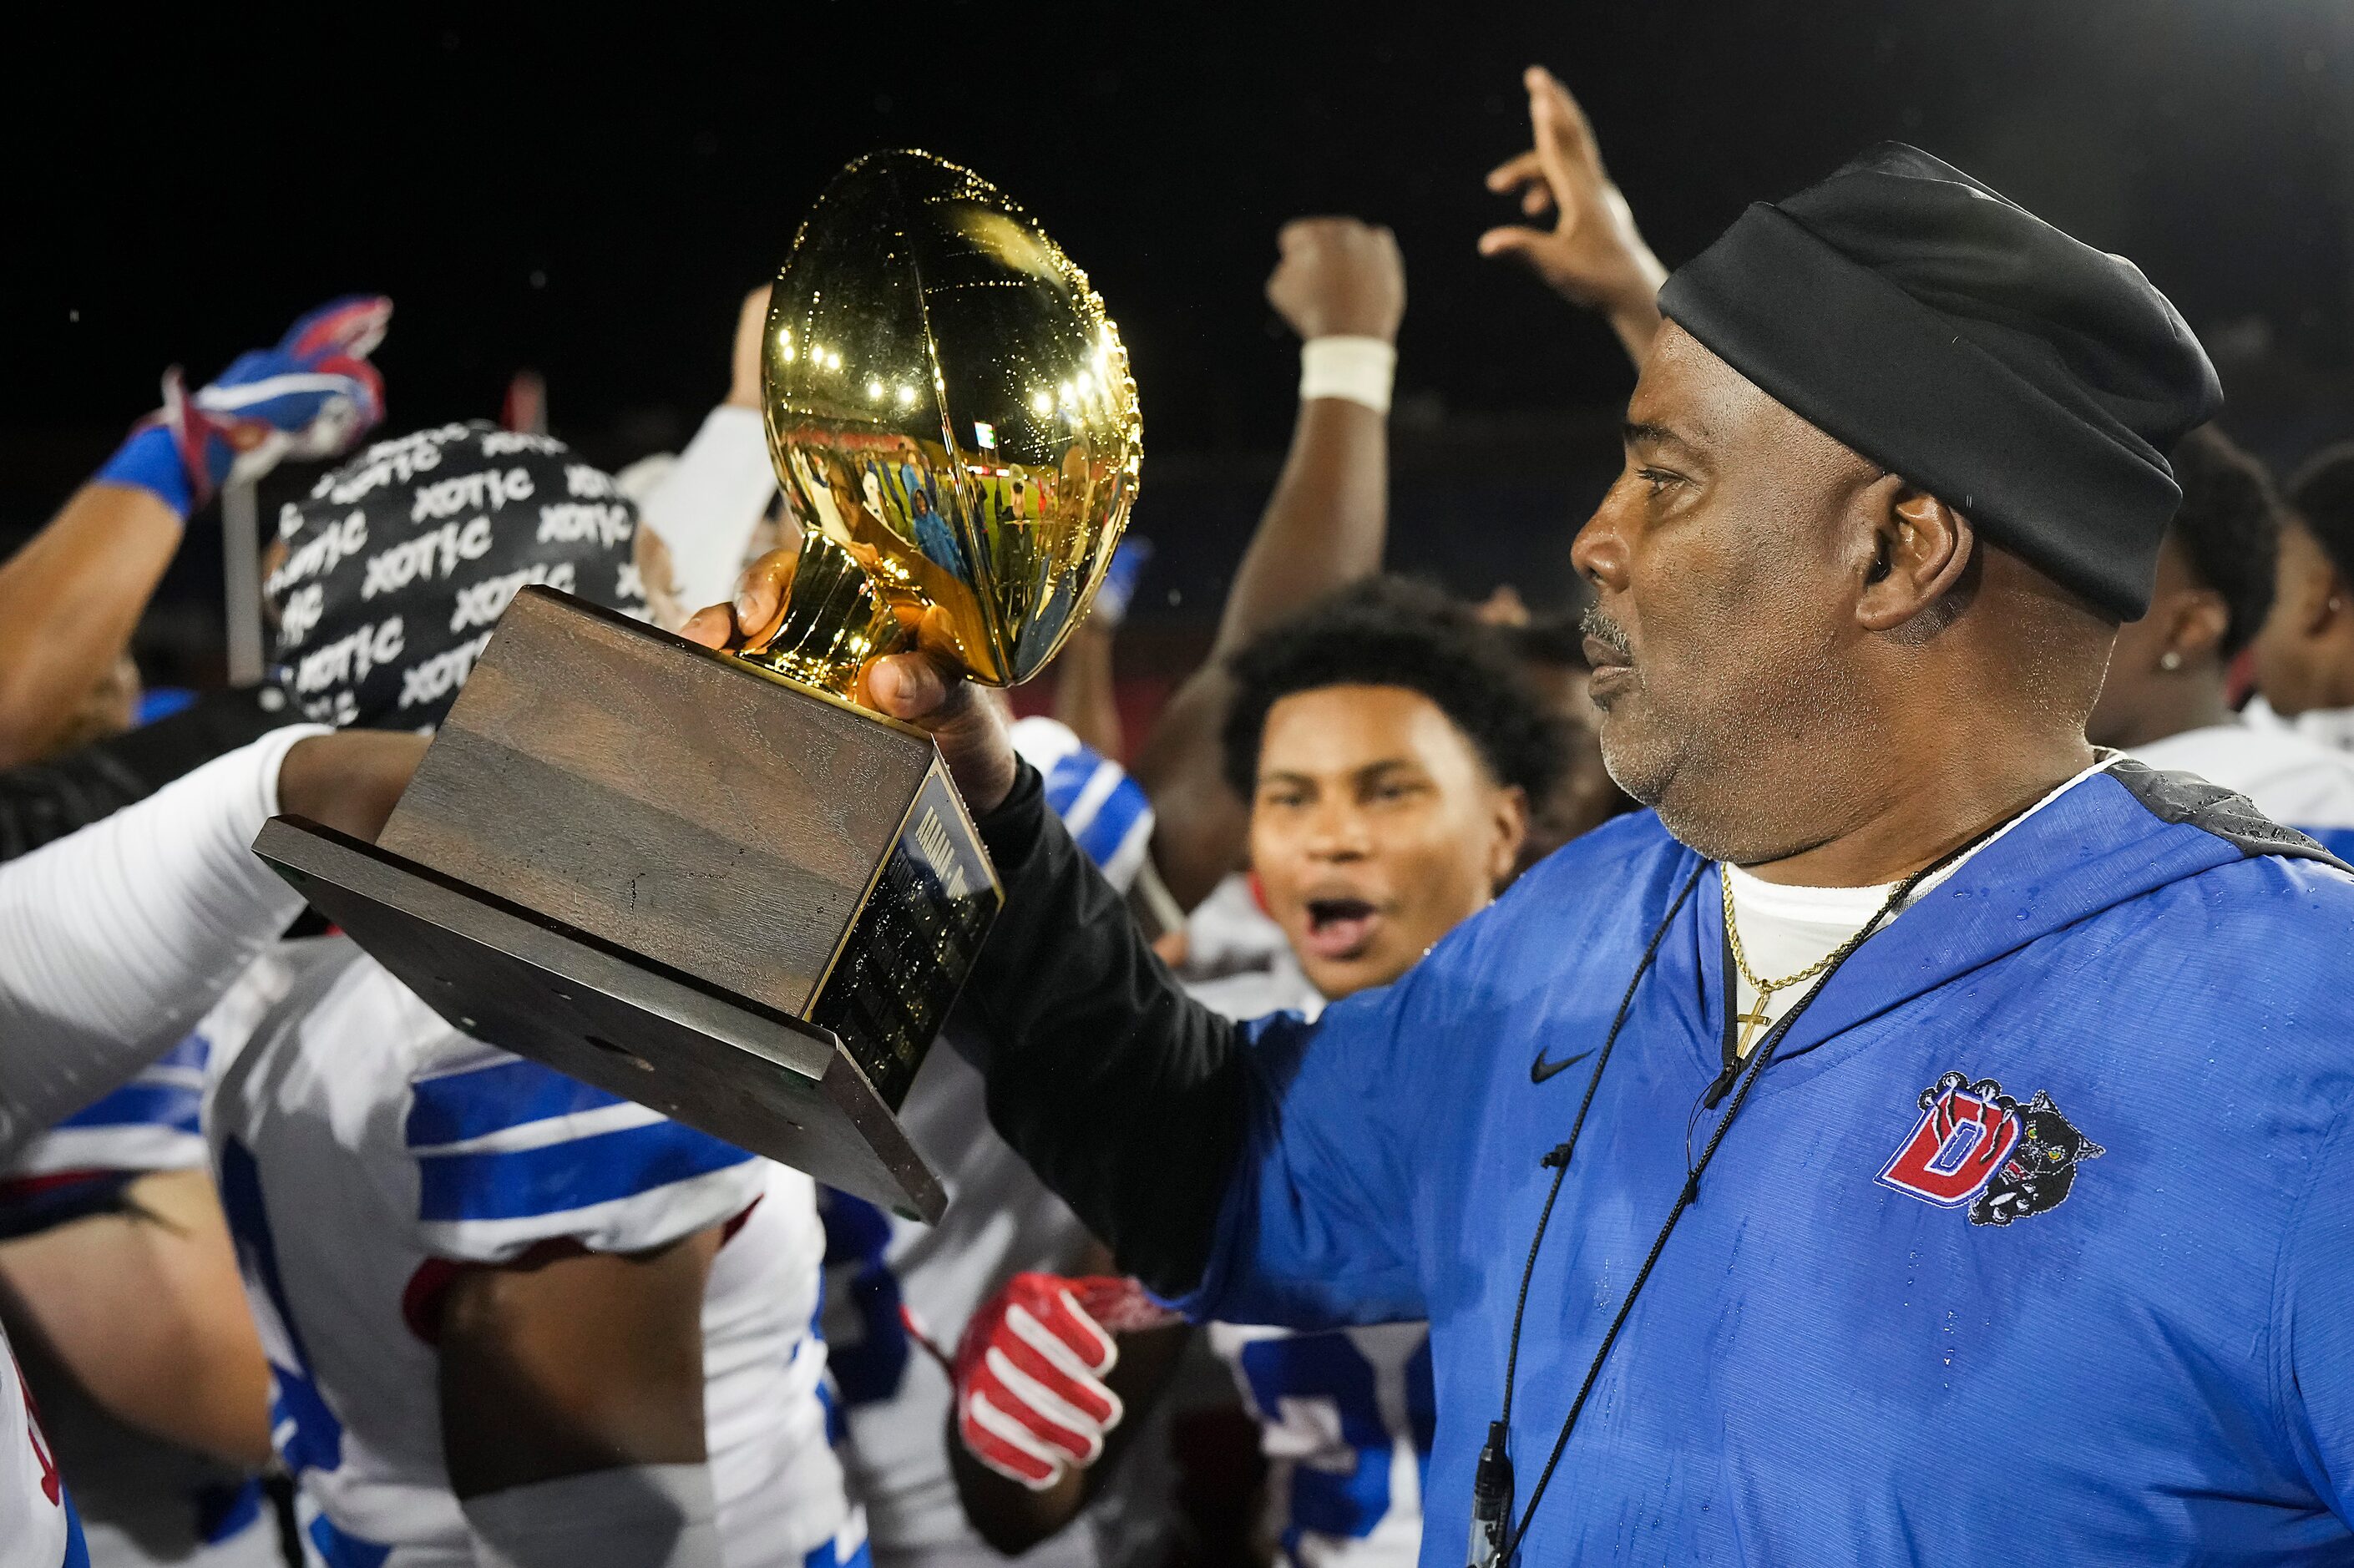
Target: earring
column 2169, row 659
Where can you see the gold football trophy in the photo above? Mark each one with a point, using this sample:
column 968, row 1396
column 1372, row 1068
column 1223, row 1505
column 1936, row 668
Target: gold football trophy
column 713, row 883
column 951, row 412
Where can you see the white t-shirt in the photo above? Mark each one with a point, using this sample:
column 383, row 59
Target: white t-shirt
column 364, row 1147
column 145, row 1503
column 1785, row 928
column 2293, row 779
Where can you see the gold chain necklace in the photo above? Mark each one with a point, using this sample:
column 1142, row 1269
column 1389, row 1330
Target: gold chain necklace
column 1755, row 1020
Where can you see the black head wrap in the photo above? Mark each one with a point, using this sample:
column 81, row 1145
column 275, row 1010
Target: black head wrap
column 398, row 563
column 1955, row 338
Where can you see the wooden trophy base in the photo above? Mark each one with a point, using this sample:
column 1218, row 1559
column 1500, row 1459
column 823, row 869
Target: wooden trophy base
column 681, row 879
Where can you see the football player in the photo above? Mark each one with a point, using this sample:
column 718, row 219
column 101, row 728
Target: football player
column 508, row 1318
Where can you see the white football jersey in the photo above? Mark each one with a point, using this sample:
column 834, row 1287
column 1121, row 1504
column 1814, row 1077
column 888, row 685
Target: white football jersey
column 365, row 1151
column 143, row 1503
column 2292, row 777
column 1105, row 811
column 1345, row 1420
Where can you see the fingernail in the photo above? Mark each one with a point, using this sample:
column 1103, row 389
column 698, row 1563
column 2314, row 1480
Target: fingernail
column 746, row 609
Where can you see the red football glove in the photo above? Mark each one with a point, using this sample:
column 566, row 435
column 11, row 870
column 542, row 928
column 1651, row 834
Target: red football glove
column 1029, row 1372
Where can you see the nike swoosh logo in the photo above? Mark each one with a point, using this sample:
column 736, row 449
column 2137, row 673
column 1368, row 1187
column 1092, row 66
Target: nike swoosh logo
column 1541, row 1069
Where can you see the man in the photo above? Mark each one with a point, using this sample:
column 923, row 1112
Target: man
column 1388, row 746
column 1850, row 1125
column 2305, row 654
column 2165, row 699
column 119, row 1280
column 508, row 1318
column 113, row 942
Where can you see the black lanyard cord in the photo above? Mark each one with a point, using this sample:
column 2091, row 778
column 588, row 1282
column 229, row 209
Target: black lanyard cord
column 1684, row 1198
column 1559, row 1158
column 1492, row 1483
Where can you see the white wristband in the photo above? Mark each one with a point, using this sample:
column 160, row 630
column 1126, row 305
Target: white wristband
column 642, row 1516
column 1360, row 370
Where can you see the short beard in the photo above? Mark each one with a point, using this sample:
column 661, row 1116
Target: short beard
column 1733, row 784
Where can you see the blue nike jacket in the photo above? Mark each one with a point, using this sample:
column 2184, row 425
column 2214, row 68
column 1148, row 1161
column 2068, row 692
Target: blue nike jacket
column 2034, row 1243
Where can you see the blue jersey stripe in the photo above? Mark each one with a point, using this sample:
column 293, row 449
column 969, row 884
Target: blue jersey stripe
column 557, row 1177
column 179, row 1106
column 460, row 1106
column 1115, row 820
column 1070, row 778
column 76, row 1546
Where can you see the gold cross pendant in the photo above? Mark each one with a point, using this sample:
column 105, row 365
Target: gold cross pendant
column 1751, row 1022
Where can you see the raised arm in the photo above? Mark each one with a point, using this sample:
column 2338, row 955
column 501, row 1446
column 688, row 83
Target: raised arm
column 705, row 509
column 1341, row 287
column 1593, row 255
column 70, row 599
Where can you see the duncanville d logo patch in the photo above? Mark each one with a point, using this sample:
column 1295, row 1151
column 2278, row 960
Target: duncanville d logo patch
column 1975, row 1145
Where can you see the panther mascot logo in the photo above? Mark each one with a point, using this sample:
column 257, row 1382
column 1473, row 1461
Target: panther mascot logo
column 1976, row 1146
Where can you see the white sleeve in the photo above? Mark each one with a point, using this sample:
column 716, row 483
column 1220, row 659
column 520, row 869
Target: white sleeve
column 116, row 939
column 706, row 506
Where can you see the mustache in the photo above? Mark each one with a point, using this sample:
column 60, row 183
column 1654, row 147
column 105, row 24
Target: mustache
column 1604, row 629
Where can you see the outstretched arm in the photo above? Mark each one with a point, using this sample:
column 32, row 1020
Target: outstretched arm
column 1342, row 286
column 115, row 940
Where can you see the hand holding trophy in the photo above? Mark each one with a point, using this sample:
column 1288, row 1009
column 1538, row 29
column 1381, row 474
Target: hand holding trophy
column 714, row 882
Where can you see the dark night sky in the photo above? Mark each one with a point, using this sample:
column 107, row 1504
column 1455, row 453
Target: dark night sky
column 592, row 199
column 185, row 192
